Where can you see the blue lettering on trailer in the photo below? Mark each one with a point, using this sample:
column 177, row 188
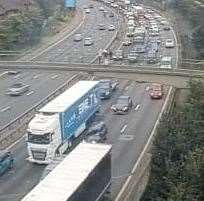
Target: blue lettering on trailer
column 79, row 113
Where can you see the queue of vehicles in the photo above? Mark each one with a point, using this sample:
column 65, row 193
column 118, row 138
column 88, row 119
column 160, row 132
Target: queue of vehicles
column 143, row 35
column 88, row 41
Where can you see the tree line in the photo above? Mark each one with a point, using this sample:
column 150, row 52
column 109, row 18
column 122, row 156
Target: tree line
column 177, row 167
column 25, row 26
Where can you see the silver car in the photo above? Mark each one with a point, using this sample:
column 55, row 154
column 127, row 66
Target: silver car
column 77, row 37
column 88, row 41
column 18, row 89
column 123, row 105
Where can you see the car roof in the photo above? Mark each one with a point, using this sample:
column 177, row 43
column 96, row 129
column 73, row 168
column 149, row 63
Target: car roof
column 90, row 137
column 3, row 153
column 104, row 80
column 123, row 97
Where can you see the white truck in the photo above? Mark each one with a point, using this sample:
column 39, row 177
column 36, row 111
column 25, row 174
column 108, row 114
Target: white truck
column 56, row 125
column 83, row 175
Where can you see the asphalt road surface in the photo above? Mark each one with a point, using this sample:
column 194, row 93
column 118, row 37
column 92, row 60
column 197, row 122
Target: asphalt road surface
column 41, row 85
column 76, row 52
column 128, row 133
column 126, row 146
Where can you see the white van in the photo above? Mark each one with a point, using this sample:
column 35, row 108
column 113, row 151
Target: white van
column 166, row 62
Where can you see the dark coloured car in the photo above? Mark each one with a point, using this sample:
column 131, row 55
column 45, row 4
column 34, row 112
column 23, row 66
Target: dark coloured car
column 98, row 128
column 91, row 6
column 140, row 49
column 6, row 161
column 152, row 57
column 111, row 14
column 123, row 105
column 17, row 89
column 101, row 27
column 154, row 46
column 106, row 87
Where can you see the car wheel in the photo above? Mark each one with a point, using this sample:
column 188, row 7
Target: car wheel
column 11, row 164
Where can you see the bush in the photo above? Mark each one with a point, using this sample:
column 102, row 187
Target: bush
column 177, row 172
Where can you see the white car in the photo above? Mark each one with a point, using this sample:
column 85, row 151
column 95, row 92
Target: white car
column 111, row 27
column 127, row 41
column 166, row 62
column 169, row 43
column 101, row 8
column 87, row 10
column 77, row 37
column 88, row 41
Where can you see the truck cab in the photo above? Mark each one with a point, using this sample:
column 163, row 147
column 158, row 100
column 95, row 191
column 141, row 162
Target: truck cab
column 6, row 161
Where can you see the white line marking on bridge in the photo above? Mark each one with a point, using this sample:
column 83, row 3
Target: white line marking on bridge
column 147, row 88
column 54, row 76
column 137, row 107
column 4, row 73
column 126, row 137
column 31, row 92
column 123, row 129
column 5, row 109
column 17, row 76
column 36, row 76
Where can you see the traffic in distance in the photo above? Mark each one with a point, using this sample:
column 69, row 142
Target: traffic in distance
column 75, row 115
column 147, row 35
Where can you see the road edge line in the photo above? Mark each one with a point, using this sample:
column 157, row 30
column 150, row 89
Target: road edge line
column 62, row 39
column 145, row 148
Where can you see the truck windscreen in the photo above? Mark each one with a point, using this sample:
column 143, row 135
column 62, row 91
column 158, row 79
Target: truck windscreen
column 39, row 139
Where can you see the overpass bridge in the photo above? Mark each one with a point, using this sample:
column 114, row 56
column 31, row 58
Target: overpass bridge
column 178, row 78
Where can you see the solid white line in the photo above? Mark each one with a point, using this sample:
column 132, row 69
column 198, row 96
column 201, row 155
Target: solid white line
column 137, row 107
column 5, row 109
column 147, row 88
column 36, row 76
column 15, row 143
column 123, row 128
column 17, row 76
column 28, row 94
column 59, row 41
column 4, row 73
column 144, row 150
column 54, row 76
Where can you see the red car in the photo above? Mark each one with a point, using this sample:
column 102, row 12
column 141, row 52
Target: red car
column 156, row 91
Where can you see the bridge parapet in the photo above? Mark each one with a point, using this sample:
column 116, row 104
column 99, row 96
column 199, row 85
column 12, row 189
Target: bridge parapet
column 176, row 77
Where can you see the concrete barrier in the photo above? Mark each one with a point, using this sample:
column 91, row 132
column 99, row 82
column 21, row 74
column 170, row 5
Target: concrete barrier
column 16, row 128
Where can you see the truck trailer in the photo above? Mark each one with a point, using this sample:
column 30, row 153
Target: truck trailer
column 84, row 175
column 56, row 125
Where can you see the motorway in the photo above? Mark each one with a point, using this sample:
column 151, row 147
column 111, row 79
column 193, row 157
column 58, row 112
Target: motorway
column 126, row 145
column 43, row 84
column 76, row 52
column 127, row 133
